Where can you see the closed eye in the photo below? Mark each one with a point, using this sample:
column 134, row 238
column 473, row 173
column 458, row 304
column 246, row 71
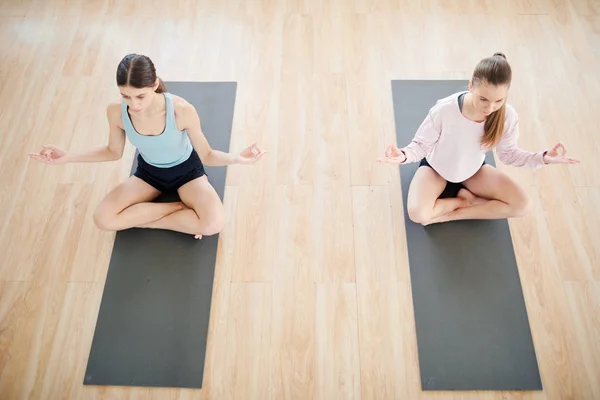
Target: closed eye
column 485, row 100
column 127, row 97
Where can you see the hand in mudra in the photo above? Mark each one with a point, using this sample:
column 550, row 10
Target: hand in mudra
column 393, row 155
column 250, row 154
column 557, row 156
column 50, row 155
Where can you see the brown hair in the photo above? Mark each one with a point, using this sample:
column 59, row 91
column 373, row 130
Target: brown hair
column 493, row 70
column 138, row 71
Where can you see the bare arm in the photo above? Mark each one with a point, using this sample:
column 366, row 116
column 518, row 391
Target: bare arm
column 116, row 141
column 109, row 152
column 187, row 118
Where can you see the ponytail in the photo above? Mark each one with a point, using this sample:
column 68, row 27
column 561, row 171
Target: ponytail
column 162, row 88
column 494, row 127
column 494, row 70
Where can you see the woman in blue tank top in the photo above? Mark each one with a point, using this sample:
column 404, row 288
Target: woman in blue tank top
column 166, row 131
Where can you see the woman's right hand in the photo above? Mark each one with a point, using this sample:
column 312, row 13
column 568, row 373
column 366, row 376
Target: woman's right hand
column 50, row 155
column 393, row 155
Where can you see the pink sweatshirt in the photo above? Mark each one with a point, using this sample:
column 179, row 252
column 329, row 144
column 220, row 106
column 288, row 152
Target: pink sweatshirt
column 451, row 142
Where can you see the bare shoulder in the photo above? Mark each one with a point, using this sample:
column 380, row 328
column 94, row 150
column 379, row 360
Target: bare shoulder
column 182, row 105
column 113, row 113
column 185, row 112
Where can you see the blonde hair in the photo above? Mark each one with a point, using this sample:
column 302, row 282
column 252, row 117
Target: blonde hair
column 494, row 70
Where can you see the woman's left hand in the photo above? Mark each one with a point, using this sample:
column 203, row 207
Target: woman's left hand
column 250, row 155
column 554, row 156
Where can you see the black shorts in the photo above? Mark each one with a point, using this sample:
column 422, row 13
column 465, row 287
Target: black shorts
column 172, row 178
column 452, row 188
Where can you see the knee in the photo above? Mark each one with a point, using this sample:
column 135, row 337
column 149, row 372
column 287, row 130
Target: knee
column 213, row 226
column 418, row 214
column 103, row 220
column 521, row 206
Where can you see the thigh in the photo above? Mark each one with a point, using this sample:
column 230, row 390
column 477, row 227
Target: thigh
column 493, row 184
column 425, row 188
column 132, row 191
column 200, row 195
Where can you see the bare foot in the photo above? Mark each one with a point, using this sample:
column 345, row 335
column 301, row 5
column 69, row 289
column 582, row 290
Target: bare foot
column 186, row 207
column 469, row 197
column 469, row 200
column 197, row 236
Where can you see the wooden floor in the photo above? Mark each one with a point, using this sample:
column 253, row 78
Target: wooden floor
column 301, row 315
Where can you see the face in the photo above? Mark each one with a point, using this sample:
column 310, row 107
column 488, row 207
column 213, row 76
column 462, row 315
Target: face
column 488, row 98
column 138, row 100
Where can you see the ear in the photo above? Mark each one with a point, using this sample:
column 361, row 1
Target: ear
column 156, row 84
column 470, row 85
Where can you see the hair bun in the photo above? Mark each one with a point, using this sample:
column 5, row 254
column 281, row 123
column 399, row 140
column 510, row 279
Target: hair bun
column 498, row 54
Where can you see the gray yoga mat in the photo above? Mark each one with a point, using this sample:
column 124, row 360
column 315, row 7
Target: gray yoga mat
column 471, row 321
column 153, row 321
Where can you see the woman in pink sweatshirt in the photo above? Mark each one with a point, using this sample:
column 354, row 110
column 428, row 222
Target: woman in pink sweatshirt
column 450, row 146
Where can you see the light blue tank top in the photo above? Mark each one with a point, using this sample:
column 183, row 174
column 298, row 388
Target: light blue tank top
column 166, row 150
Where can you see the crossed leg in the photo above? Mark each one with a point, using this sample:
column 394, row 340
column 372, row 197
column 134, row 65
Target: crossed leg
column 129, row 205
column 493, row 194
column 203, row 213
column 424, row 204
